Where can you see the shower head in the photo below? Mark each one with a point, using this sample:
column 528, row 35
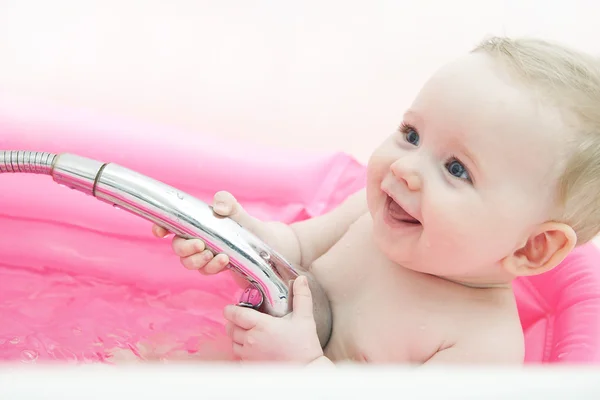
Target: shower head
column 176, row 211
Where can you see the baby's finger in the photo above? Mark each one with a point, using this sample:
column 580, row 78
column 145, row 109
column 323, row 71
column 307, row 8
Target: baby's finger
column 187, row 247
column 302, row 298
column 238, row 350
column 243, row 317
column 226, row 205
column 216, row 265
column 235, row 333
column 197, row 261
column 159, row 231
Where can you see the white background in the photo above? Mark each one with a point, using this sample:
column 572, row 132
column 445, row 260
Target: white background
column 334, row 75
column 276, row 383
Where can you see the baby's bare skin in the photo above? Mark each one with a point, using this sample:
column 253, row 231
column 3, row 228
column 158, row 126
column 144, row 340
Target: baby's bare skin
column 418, row 267
column 384, row 313
column 368, row 309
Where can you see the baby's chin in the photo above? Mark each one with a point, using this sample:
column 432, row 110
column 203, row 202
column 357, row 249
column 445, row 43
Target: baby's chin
column 413, row 257
column 420, row 256
column 401, row 254
column 413, row 251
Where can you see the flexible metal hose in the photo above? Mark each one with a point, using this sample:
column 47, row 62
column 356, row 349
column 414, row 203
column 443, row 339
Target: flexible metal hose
column 32, row 162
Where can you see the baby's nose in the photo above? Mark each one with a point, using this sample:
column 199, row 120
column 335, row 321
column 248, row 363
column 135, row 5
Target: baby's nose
column 409, row 175
column 413, row 182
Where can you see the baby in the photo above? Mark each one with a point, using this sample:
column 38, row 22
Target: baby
column 494, row 173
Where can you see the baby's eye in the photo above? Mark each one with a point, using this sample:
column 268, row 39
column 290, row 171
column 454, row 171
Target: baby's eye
column 410, row 134
column 458, row 170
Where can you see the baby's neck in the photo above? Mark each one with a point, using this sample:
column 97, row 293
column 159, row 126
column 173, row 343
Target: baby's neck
column 479, row 285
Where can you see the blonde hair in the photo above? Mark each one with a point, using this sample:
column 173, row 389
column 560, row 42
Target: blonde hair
column 571, row 80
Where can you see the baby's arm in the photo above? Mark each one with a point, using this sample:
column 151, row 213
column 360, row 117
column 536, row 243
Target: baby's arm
column 300, row 243
column 317, row 235
column 303, row 242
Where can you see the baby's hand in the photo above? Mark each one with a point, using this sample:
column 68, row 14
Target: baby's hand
column 193, row 253
column 261, row 337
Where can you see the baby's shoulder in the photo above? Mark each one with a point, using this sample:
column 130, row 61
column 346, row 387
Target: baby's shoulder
column 493, row 336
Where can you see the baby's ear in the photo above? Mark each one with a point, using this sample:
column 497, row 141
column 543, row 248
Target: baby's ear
column 547, row 247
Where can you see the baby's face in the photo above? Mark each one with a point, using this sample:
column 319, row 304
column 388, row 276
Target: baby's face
column 472, row 170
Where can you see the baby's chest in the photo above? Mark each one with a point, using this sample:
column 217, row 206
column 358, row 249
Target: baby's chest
column 380, row 313
column 381, row 327
column 350, row 264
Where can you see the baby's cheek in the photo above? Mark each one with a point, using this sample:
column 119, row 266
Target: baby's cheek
column 450, row 220
column 455, row 228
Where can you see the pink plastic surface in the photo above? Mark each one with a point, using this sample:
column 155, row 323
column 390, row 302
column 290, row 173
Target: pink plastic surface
column 83, row 282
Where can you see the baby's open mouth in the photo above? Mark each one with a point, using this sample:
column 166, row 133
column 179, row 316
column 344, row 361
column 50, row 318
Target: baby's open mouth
column 399, row 214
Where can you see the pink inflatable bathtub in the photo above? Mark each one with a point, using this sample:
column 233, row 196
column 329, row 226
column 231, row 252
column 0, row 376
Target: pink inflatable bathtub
column 83, row 282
